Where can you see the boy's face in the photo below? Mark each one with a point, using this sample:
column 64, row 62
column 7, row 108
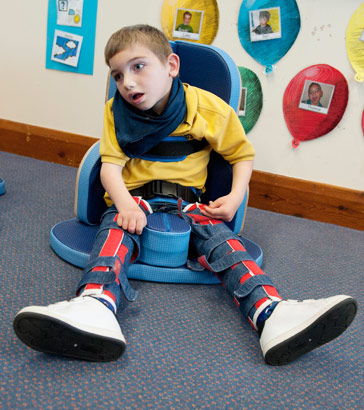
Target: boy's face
column 263, row 21
column 315, row 94
column 186, row 19
column 142, row 79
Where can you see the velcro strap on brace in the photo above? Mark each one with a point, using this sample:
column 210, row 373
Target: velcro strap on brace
column 220, row 236
column 99, row 277
column 104, row 278
column 106, row 226
column 250, row 284
column 129, row 292
column 232, row 277
column 221, row 264
column 102, row 261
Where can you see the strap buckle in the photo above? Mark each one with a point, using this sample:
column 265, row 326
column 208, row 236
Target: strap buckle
column 164, row 188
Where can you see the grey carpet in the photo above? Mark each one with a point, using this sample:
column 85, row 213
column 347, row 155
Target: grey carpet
column 188, row 347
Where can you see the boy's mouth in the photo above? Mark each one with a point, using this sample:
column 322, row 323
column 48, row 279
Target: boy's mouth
column 136, row 98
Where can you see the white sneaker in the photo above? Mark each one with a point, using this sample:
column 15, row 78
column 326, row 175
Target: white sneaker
column 83, row 328
column 297, row 327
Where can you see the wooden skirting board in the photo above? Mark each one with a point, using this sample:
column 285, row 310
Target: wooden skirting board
column 276, row 193
column 43, row 143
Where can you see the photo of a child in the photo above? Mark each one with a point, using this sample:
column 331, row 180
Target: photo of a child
column 242, row 106
column 265, row 24
column 316, row 96
column 187, row 24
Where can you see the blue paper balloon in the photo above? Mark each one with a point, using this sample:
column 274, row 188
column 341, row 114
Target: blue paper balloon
column 268, row 28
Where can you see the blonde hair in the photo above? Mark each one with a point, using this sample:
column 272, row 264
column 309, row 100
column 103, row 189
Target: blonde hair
column 143, row 34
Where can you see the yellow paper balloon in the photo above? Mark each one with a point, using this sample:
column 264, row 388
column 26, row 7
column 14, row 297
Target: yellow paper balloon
column 355, row 42
column 190, row 20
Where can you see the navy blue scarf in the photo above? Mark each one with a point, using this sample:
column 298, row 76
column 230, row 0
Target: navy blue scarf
column 138, row 131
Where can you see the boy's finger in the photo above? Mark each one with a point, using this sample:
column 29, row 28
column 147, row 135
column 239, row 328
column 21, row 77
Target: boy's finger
column 124, row 224
column 131, row 225
column 207, row 211
column 138, row 227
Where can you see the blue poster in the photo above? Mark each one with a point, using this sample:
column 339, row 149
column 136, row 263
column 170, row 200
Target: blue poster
column 71, row 35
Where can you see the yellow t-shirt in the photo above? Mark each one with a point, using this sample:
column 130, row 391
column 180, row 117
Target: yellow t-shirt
column 207, row 117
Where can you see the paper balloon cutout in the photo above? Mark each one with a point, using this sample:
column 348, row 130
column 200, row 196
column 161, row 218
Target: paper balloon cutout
column 267, row 44
column 305, row 118
column 251, row 102
column 355, row 42
column 201, row 24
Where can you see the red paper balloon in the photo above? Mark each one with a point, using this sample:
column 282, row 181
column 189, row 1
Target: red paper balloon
column 305, row 120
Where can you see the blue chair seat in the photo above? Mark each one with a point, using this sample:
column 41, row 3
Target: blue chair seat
column 72, row 241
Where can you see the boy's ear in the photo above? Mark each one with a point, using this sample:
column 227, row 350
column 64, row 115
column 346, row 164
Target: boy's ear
column 173, row 62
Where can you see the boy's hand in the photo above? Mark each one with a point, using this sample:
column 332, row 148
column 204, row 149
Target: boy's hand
column 226, row 206
column 223, row 208
column 132, row 220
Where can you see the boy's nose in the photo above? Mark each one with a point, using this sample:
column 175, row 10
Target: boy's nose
column 128, row 82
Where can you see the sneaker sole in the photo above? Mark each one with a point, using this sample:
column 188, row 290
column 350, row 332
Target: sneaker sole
column 50, row 335
column 324, row 329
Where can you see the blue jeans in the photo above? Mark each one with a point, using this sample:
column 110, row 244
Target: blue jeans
column 217, row 248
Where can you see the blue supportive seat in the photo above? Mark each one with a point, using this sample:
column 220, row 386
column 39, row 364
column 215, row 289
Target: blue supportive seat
column 2, row 187
column 205, row 67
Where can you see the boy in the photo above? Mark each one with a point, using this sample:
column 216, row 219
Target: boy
column 152, row 103
column 314, row 95
column 185, row 26
column 264, row 27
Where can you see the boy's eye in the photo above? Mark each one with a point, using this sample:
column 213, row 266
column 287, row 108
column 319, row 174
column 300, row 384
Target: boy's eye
column 138, row 66
column 117, row 77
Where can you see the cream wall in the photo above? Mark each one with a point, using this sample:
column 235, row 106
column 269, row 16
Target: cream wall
column 74, row 103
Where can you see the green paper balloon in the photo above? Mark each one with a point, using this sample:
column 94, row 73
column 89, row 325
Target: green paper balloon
column 251, row 99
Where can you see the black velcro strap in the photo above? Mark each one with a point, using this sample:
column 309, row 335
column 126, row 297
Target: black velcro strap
column 164, row 188
column 176, row 148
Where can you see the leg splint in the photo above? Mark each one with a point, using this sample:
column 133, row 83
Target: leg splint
column 110, row 258
column 223, row 252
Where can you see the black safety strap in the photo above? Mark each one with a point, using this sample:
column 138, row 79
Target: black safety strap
column 176, row 148
column 164, row 188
